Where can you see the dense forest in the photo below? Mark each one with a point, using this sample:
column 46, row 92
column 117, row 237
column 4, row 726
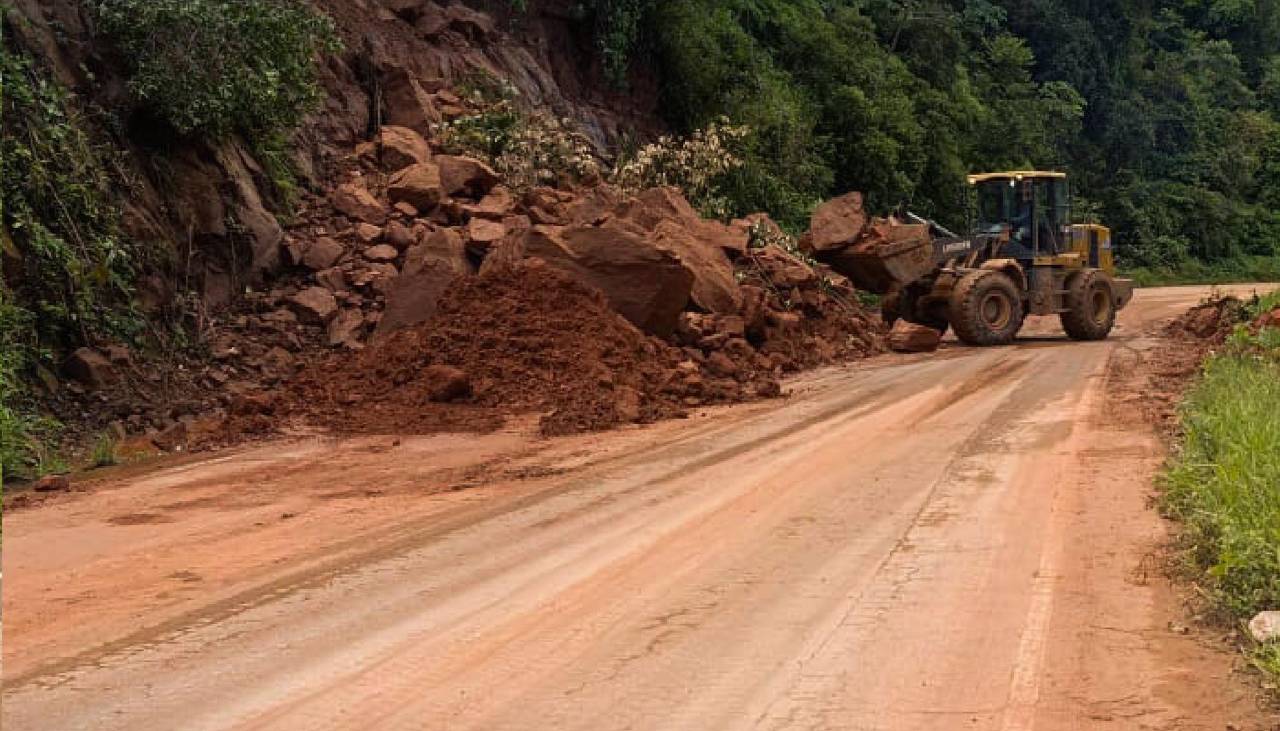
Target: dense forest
column 1165, row 113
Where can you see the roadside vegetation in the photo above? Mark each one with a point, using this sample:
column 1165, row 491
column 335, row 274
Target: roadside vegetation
column 1165, row 114
column 199, row 70
column 1224, row 483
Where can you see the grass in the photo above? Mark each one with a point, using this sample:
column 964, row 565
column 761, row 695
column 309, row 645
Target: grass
column 1225, row 484
column 104, row 451
column 1233, row 271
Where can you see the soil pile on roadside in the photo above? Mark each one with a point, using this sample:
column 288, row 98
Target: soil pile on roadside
column 520, row 340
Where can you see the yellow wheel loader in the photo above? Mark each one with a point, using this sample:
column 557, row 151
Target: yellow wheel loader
column 1023, row 257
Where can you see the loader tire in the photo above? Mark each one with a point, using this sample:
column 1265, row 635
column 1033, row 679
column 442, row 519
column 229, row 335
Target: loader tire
column 1090, row 306
column 986, row 308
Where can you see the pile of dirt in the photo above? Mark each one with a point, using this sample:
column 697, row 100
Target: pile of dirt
column 522, row 339
column 1208, row 323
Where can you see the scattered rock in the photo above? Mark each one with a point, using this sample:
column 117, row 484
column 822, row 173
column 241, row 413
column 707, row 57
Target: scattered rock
column 446, row 383
column 465, row 175
column 835, row 224
column 398, row 235
column 381, row 252
column 418, row 185
column 322, row 253
column 496, row 205
column 402, row 147
column 483, row 233
column 345, row 328
column 908, row 337
column 91, row 368
column 252, row 404
column 52, row 483
column 1265, row 626
column 356, row 202
column 367, row 233
column 407, row 103
column 405, row 209
column 332, row 279
column 313, row 305
column 172, row 438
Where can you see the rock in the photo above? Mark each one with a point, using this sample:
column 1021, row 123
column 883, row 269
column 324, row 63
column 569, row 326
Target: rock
column 119, row 355
column 446, row 383
column 908, row 337
column 781, row 269
column 753, row 311
column 543, row 206
column 413, row 296
column 442, row 246
column 407, row 103
column 172, row 438
column 381, row 252
column 418, row 185
column 52, row 483
column 91, row 368
column 401, row 147
column 356, row 202
column 345, row 328
column 495, row 206
column 483, row 233
column 399, row 235
column 252, row 404
column 722, row 365
column 509, row 251
column 368, row 233
column 1265, row 626
column 405, row 209
column 313, row 305
column 332, row 279
column 644, row 283
column 715, row 289
column 322, row 253
column 465, row 175
column 835, row 224
column 626, row 404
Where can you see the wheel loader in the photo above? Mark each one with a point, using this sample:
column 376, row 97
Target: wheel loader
column 1023, row 257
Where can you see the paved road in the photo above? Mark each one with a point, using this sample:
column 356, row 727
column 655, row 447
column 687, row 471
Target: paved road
column 950, row 542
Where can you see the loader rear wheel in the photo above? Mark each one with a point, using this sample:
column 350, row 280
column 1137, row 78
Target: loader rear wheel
column 986, row 308
column 1091, row 306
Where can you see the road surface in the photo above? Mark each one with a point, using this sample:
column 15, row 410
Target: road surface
column 958, row 541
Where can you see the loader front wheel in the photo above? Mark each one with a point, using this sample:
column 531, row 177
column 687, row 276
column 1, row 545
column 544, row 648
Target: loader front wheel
column 985, row 308
column 1090, row 306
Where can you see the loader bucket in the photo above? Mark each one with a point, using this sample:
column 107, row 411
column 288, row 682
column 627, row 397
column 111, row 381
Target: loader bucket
column 878, row 265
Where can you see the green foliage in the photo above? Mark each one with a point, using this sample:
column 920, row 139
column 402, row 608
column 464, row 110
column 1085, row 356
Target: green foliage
column 1165, row 114
column 1223, row 484
column 528, row 148
column 104, row 451
column 696, row 164
column 218, row 67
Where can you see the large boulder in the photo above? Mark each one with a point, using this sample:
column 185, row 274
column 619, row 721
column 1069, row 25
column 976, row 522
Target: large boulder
column 835, row 224
column 465, row 176
column 358, row 203
column 443, row 246
column 645, row 283
column 313, row 306
column 715, row 289
column 407, row 103
column 322, row 253
column 402, row 147
column 419, row 185
column 92, row 368
column 414, row 296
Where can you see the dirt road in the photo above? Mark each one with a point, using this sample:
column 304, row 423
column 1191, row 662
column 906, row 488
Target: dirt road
column 951, row 542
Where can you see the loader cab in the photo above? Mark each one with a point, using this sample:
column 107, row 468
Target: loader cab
column 1032, row 208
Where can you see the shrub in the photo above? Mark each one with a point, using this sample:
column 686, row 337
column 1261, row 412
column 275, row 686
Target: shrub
column 696, row 164
column 216, row 67
column 527, row 148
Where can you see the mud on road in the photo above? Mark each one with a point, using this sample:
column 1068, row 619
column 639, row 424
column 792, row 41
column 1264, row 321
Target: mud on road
column 955, row 541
